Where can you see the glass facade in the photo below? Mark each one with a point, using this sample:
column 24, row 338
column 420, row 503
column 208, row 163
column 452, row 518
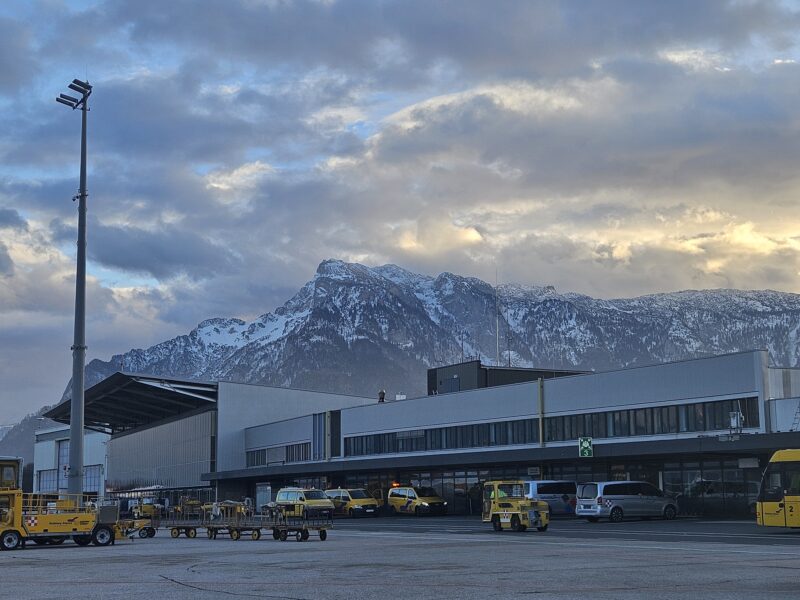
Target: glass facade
column 700, row 416
column 282, row 454
column 479, row 435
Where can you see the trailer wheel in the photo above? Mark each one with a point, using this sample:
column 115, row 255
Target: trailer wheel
column 143, row 532
column 323, row 535
column 82, row 540
column 10, row 540
column 256, row 535
column 276, row 534
column 283, row 535
column 210, row 534
column 102, row 535
column 305, row 535
column 151, row 532
column 191, row 532
column 174, row 532
column 235, row 535
column 542, row 528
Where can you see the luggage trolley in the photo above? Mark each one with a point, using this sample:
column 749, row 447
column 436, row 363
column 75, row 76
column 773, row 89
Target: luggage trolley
column 285, row 522
column 233, row 519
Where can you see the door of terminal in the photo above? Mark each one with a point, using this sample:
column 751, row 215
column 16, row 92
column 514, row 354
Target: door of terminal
column 792, row 494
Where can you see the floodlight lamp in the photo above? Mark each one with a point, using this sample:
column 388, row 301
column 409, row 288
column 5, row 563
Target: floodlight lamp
column 67, row 102
column 70, row 98
column 84, row 85
column 80, row 90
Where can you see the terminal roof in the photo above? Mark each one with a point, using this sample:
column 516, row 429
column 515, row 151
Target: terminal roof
column 126, row 401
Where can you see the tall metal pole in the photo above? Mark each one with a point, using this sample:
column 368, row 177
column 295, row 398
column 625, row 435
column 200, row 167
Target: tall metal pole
column 75, row 474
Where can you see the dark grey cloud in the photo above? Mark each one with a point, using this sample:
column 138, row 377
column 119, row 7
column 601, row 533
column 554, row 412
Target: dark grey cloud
column 6, row 264
column 17, row 63
column 12, row 219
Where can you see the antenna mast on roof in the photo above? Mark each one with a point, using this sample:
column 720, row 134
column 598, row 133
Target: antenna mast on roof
column 497, row 319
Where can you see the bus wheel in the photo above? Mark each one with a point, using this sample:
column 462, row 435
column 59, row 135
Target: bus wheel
column 10, row 540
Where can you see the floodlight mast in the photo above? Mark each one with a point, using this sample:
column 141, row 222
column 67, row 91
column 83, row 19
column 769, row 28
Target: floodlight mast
column 75, row 473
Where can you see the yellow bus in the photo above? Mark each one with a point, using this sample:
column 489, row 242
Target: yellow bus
column 779, row 497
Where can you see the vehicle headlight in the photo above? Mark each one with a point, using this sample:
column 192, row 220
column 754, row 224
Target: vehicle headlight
column 423, row 503
column 445, row 503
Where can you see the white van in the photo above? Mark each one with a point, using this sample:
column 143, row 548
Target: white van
column 560, row 495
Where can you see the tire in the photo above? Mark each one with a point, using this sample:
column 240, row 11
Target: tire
column 616, row 515
column 305, row 535
column 515, row 524
column 82, row 540
column 103, row 535
column 416, row 511
column 496, row 523
column 151, row 532
column 10, row 540
column 392, row 510
column 592, row 519
column 191, row 532
column 143, row 533
column 256, row 534
column 350, row 513
column 543, row 528
column 669, row 512
column 276, row 535
column 210, row 534
column 174, row 532
column 298, row 536
column 283, row 535
column 235, row 534
column 323, row 535
column 57, row 541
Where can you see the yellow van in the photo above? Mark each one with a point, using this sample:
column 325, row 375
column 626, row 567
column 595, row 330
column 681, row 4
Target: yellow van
column 415, row 501
column 779, row 497
column 353, row 503
column 308, row 504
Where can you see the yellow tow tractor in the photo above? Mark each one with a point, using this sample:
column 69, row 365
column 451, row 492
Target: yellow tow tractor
column 48, row 518
column 506, row 507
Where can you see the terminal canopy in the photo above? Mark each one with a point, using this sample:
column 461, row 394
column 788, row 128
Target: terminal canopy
column 126, row 401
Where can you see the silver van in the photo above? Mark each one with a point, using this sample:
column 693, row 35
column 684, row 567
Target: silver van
column 615, row 500
column 560, row 495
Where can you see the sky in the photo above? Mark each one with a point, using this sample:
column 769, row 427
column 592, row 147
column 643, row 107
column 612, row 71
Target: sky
column 610, row 148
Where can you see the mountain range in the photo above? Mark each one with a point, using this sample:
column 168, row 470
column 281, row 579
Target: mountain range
column 355, row 329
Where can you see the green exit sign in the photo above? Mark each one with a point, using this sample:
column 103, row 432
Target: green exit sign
column 585, row 449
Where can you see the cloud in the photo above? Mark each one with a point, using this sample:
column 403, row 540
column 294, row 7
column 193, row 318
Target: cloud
column 613, row 149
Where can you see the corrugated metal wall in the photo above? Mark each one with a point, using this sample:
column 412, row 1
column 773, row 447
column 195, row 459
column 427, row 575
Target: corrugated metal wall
column 170, row 455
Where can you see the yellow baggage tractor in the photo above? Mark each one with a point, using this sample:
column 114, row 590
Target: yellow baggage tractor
column 49, row 518
column 506, row 507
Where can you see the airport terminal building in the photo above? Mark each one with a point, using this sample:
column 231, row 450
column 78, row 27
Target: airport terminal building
column 700, row 429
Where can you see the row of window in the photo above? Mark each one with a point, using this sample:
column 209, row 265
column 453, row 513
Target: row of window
column 502, row 433
column 701, row 416
column 53, row 480
column 278, row 455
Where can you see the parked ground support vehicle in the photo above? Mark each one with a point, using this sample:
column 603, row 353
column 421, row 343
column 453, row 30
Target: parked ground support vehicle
column 560, row 495
column 234, row 519
column 415, row 501
column 615, row 500
column 305, row 503
column 506, row 507
column 146, row 507
column 353, row 503
column 778, row 502
column 285, row 522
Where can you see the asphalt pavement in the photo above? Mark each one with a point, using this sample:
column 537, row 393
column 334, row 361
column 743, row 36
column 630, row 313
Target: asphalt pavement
column 426, row 559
